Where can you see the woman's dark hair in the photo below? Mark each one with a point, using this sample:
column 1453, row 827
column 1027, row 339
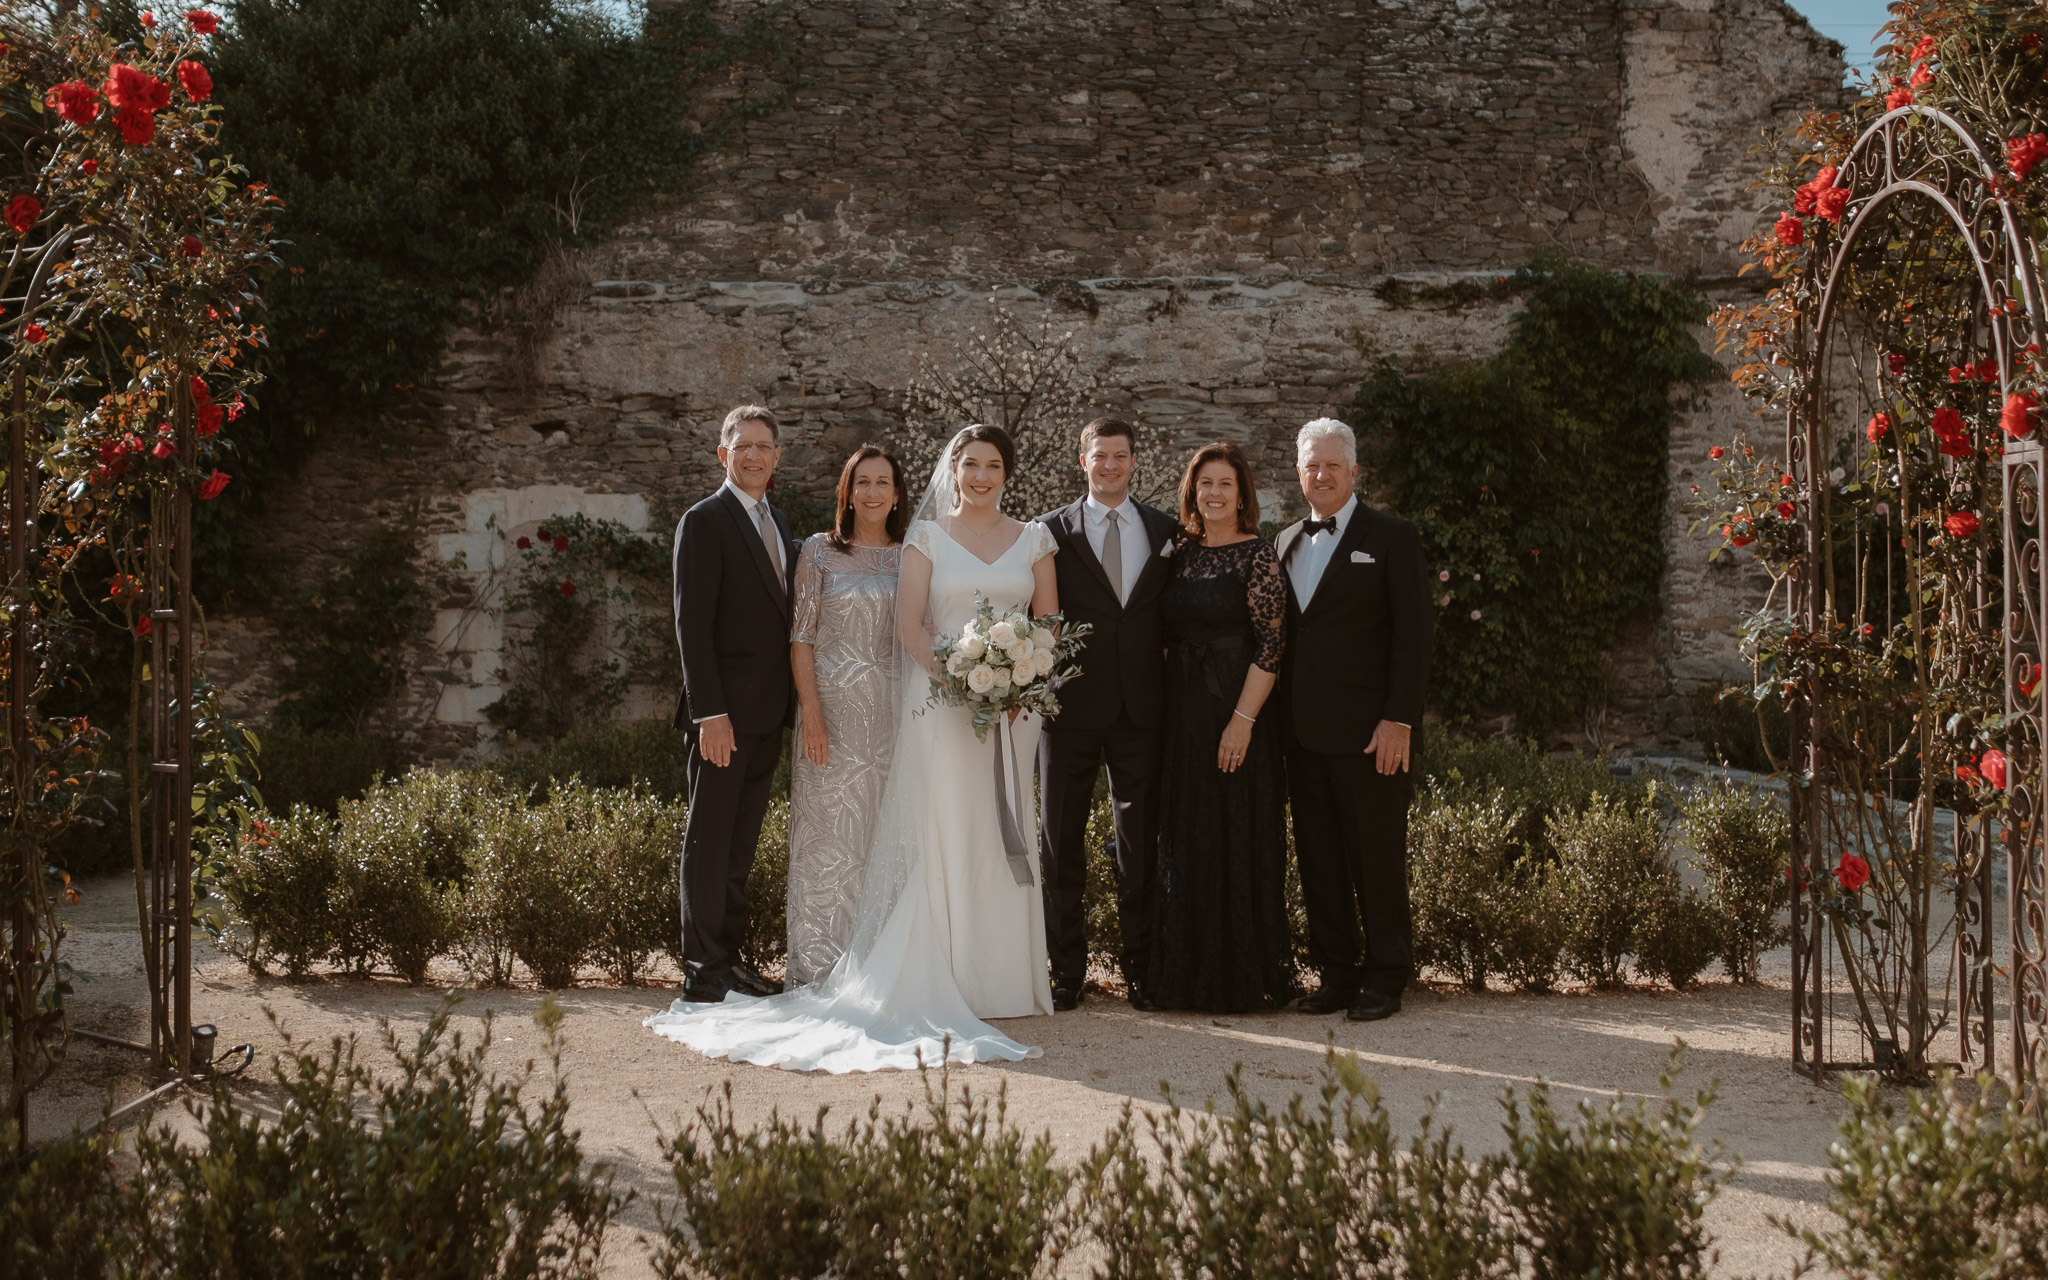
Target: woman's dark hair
column 1248, row 498
column 899, row 515
column 988, row 435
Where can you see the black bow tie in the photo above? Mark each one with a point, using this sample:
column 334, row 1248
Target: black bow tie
column 1309, row 528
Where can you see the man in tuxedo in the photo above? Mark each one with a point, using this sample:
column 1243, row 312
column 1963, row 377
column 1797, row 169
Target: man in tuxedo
column 1112, row 566
column 1351, row 688
column 735, row 571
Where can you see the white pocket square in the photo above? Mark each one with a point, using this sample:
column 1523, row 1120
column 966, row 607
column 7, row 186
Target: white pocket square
column 1360, row 557
column 1166, row 549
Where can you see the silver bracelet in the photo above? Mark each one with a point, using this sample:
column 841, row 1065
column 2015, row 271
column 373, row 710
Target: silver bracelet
column 1234, row 711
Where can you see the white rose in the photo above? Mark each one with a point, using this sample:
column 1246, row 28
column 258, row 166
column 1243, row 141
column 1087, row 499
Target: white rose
column 1042, row 662
column 1019, row 653
column 1020, row 623
column 1023, row 673
column 970, row 647
column 958, row 663
column 982, row 678
column 1002, row 677
column 1042, row 639
column 1002, row 635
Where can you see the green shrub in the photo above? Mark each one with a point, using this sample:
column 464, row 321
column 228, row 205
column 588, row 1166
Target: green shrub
column 1738, row 730
column 1539, row 784
column 1741, row 841
column 488, row 899
column 403, row 850
column 1098, row 900
column 634, row 847
column 1621, row 1195
column 545, row 892
column 280, row 885
column 1532, row 925
column 61, row 1214
column 767, row 939
column 1954, row 1182
column 1612, row 859
column 321, row 769
column 1680, row 935
column 956, row 1191
column 645, row 752
column 439, row 1168
column 1461, row 855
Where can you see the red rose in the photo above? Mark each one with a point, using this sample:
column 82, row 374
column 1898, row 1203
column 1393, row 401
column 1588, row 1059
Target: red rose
column 1867, row 629
column 32, row 333
column 1785, row 481
column 2030, row 41
column 1716, row 452
column 1896, row 362
column 2022, row 154
column 1923, row 49
column 164, row 448
column 1831, row 203
column 561, row 544
column 1803, row 199
column 2019, row 415
column 1921, row 75
column 143, row 626
column 22, row 212
column 128, row 86
column 210, row 488
column 1740, row 536
column 524, row 542
column 1900, row 97
column 1987, row 371
column 202, row 22
column 2029, row 681
column 148, row 19
column 90, row 167
column 207, row 418
column 197, row 84
column 1956, row 373
column 1790, row 230
column 1878, row 427
column 1786, row 511
column 1853, row 872
column 567, row 588
column 200, row 395
column 1962, row 524
column 1992, row 765
column 137, row 126
column 74, row 100
column 189, row 246
column 1954, row 436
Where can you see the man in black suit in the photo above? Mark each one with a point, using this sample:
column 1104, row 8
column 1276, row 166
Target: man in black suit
column 1351, row 687
column 735, row 571
column 1111, row 568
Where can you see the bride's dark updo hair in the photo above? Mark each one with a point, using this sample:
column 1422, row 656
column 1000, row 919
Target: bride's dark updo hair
column 984, row 434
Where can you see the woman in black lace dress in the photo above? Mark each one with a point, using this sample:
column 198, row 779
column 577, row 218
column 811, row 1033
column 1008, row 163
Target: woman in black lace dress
column 1219, row 939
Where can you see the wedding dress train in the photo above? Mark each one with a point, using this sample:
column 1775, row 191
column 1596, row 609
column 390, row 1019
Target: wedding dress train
column 945, row 937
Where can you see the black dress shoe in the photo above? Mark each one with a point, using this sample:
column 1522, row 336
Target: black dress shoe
column 705, row 990
column 1141, row 997
column 1371, row 1006
column 745, row 979
column 1331, row 997
column 1064, row 999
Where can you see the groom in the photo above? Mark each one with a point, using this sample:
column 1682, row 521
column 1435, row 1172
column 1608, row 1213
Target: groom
column 1351, row 689
column 1111, row 571
column 734, row 575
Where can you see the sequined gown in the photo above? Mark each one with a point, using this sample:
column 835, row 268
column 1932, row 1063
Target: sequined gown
column 1219, row 938
column 846, row 610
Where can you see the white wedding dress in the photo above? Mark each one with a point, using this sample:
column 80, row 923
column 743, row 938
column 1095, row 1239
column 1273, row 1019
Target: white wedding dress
column 945, row 936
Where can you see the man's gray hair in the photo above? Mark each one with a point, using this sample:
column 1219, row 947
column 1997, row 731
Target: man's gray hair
column 1327, row 429
column 760, row 413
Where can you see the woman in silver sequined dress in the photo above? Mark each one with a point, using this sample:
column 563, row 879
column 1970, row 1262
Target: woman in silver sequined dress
column 843, row 650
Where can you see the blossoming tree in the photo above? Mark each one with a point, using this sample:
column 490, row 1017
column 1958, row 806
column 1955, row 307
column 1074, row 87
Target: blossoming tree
column 127, row 285
column 1901, row 526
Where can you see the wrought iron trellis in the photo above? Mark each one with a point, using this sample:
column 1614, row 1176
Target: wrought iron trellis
column 1920, row 163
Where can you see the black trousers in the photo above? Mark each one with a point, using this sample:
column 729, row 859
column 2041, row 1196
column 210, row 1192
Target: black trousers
column 1351, row 843
column 1068, row 761
column 726, row 809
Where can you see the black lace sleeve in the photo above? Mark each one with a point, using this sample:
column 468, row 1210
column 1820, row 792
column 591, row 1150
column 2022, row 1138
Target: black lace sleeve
column 1266, row 593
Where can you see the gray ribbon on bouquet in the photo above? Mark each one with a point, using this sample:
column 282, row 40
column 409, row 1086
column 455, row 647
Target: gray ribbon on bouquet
column 1006, row 817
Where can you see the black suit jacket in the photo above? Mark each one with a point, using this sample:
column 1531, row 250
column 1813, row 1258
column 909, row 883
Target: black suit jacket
column 1359, row 653
column 1123, row 662
column 732, row 625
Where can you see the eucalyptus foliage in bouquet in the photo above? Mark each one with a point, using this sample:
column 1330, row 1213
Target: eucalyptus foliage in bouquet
column 1001, row 661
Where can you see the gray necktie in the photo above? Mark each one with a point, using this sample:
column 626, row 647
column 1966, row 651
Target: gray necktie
column 770, row 538
column 1113, row 554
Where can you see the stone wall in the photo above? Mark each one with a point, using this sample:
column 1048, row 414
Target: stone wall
column 1211, row 195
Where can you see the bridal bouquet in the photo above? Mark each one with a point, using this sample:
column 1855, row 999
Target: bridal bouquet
column 1004, row 660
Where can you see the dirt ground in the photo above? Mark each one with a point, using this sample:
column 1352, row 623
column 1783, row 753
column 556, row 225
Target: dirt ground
column 1459, row 1047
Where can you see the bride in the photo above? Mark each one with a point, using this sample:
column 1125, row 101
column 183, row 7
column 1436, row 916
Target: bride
column 945, row 936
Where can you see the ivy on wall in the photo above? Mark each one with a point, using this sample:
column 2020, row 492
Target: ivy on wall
column 1538, row 479
column 346, row 645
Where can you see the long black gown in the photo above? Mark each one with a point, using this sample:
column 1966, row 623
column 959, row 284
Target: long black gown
column 1219, row 939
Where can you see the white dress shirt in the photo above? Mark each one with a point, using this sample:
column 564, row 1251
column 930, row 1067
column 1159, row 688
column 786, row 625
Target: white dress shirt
column 1309, row 560
column 1137, row 542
